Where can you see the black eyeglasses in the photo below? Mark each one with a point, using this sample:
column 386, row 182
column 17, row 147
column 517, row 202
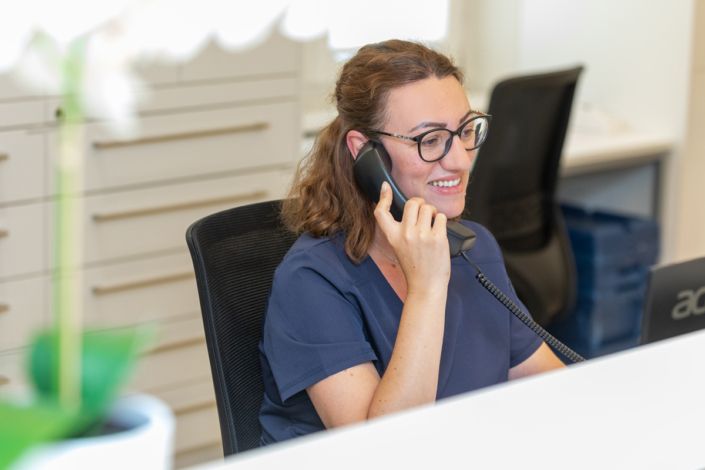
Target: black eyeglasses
column 435, row 144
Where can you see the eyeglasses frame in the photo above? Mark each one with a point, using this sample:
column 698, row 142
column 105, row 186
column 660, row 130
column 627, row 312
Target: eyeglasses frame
column 457, row 132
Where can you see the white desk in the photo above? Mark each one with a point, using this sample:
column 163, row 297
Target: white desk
column 584, row 153
column 639, row 409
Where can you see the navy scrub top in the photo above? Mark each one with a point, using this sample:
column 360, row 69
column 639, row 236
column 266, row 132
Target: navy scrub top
column 326, row 314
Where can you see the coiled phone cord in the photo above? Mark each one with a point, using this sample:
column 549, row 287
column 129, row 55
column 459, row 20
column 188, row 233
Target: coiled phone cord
column 511, row 306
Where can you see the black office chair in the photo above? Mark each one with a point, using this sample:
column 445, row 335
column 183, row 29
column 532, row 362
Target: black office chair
column 513, row 185
column 235, row 253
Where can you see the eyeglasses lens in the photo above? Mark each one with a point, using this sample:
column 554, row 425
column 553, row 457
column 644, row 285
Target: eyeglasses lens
column 437, row 143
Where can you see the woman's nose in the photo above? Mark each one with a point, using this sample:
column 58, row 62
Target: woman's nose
column 457, row 157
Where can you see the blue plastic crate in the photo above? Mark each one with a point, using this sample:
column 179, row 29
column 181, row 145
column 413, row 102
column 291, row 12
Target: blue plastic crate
column 592, row 277
column 603, row 238
column 610, row 317
column 602, row 318
column 613, row 254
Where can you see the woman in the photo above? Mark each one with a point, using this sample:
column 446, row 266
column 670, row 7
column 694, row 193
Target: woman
column 368, row 316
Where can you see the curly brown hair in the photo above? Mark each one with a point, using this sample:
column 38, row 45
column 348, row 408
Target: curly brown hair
column 324, row 197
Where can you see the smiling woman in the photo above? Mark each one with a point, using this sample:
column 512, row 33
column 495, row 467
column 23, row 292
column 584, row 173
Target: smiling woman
column 367, row 315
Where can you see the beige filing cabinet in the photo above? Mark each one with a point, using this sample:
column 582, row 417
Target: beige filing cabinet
column 220, row 131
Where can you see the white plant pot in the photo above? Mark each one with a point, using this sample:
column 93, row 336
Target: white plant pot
column 146, row 443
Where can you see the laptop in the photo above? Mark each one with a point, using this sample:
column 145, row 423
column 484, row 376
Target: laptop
column 675, row 301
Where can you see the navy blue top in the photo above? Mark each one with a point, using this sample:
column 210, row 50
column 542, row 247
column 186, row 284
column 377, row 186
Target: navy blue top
column 326, row 314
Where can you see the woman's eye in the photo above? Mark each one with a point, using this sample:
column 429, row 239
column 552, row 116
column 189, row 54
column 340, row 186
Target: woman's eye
column 468, row 132
column 430, row 141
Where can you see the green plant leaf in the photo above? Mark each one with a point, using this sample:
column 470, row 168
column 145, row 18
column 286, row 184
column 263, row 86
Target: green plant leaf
column 22, row 427
column 108, row 357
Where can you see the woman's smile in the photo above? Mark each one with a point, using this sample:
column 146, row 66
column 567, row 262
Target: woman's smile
column 446, row 183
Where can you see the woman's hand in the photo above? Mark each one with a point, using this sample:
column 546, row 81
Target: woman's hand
column 422, row 249
column 411, row 377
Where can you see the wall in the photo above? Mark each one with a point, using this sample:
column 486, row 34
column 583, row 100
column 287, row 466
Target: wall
column 637, row 55
column 636, row 52
column 690, row 240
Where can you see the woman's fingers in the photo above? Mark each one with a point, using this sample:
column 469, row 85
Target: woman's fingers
column 420, row 243
column 411, row 212
column 426, row 214
column 418, row 218
column 384, row 217
column 439, row 224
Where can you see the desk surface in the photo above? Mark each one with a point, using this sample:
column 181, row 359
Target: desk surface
column 586, row 153
column 641, row 408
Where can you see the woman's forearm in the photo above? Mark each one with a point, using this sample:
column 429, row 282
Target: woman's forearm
column 411, row 378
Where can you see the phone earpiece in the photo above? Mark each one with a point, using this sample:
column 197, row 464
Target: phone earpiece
column 373, row 166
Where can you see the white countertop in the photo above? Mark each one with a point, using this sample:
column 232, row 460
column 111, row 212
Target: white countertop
column 641, row 408
column 584, row 153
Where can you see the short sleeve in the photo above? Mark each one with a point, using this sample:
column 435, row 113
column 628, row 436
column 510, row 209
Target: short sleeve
column 313, row 328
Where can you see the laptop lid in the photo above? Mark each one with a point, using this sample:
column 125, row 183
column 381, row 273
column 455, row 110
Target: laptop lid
column 675, row 301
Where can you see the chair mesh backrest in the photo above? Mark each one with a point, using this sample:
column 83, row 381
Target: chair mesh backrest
column 514, row 179
column 512, row 190
column 235, row 253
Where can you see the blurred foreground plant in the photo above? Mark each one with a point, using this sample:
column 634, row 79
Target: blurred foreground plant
column 76, row 375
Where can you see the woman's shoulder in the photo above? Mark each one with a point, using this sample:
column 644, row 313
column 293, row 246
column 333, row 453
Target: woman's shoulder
column 485, row 248
column 323, row 256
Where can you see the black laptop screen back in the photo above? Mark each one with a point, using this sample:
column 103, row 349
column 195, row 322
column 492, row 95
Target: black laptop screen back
column 675, row 301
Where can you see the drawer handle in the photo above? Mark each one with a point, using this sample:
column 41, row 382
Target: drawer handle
column 4, row 380
column 155, row 281
column 178, row 345
column 158, row 139
column 4, row 308
column 178, row 207
column 3, row 157
column 4, row 233
column 194, row 408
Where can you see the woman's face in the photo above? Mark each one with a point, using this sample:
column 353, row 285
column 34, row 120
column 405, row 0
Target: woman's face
column 413, row 109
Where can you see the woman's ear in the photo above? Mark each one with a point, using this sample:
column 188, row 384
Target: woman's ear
column 355, row 141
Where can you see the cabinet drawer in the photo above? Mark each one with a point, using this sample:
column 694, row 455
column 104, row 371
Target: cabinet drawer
column 193, row 405
column 10, row 88
column 149, row 220
column 180, row 330
column 13, row 378
column 197, row 429
column 198, row 96
column 23, row 311
column 168, row 369
column 21, row 166
column 140, row 291
column 191, row 458
column 158, row 73
column 21, row 240
column 277, row 55
column 219, row 95
column 193, row 397
column 176, row 146
column 21, row 114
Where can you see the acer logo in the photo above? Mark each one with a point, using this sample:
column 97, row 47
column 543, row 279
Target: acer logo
column 691, row 303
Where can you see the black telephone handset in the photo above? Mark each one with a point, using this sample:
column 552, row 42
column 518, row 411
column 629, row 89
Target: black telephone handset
column 373, row 166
